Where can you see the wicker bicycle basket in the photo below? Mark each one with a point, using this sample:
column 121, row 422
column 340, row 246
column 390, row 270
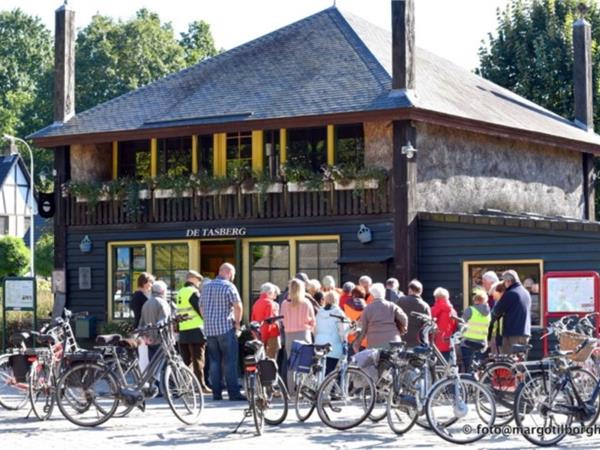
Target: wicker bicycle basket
column 569, row 340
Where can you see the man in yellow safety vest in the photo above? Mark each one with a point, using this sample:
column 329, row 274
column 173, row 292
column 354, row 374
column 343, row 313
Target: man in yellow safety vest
column 477, row 318
column 192, row 342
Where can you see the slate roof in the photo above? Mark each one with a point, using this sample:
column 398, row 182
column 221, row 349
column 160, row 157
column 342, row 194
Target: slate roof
column 330, row 62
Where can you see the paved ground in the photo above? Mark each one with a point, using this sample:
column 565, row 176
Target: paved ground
column 158, row 428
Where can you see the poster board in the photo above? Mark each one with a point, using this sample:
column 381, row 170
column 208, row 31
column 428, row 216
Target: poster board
column 19, row 294
column 568, row 293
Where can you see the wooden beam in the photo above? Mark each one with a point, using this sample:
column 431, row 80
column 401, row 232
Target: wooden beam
column 115, row 160
column 220, row 154
column 283, row 145
column 589, row 187
column 63, row 172
column 404, row 194
column 257, row 151
column 153, row 157
column 194, row 153
column 330, row 145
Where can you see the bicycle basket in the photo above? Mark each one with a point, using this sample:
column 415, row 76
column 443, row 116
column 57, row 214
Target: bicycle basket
column 569, row 340
column 301, row 357
column 267, row 371
column 20, row 366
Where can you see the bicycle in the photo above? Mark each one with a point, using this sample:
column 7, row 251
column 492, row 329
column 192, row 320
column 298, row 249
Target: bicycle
column 266, row 392
column 307, row 383
column 416, row 370
column 59, row 340
column 457, row 401
column 347, row 395
column 546, row 406
column 96, row 390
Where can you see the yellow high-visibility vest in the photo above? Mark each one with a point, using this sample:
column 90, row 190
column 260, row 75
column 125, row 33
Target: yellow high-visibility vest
column 477, row 326
column 185, row 307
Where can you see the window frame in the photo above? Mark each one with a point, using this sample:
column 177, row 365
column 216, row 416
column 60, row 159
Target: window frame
column 123, row 150
column 164, row 151
column 252, row 296
column 171, row 270
column 319, row 241
column 510, row 264
column 114, row 270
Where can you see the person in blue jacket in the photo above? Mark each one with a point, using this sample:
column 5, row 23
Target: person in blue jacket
column 515, row 308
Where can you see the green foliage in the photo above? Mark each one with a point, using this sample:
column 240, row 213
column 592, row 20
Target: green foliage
column 44, row 255
column 14, row 257
column 531, row 54
column 198, row 43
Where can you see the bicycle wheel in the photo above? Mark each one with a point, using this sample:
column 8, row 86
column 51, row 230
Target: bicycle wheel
column 402, row 410
column 277, row 400
column 500, row 378
column 536, row 404
column 460, row 410
column 255, row 403
column 183, row 393
column 87, row 394
column 346, row 398
column 437, row 372
column 585, row 382
column 13, row 393
column 41, row 391
column 133, row 375
column 382, row 388
column 306, row 396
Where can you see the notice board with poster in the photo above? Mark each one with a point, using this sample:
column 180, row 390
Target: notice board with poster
column 20, row 294
column 567, row 293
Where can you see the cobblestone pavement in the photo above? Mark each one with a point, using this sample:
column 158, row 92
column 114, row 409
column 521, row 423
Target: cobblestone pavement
column 158, row 428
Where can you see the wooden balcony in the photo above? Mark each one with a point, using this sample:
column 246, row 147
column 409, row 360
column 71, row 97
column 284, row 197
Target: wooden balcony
column 238, row 206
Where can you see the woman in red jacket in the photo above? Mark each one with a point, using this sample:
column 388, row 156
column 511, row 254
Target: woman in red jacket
column 442, row 312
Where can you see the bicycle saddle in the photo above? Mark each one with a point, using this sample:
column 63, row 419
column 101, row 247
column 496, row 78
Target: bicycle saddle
column 520, row 348
column 323, row 347
column 108, row 339
column 20, row 338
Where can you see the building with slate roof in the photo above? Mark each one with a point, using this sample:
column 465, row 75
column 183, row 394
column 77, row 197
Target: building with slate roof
column 476, row 177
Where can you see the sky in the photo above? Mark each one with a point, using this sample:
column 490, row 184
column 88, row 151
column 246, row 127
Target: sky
column 453, row 29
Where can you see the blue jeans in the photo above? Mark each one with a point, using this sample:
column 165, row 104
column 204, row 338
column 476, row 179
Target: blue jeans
column 469, row 350
column 223, row 350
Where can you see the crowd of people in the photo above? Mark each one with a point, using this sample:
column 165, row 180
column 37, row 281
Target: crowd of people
column 498, row 317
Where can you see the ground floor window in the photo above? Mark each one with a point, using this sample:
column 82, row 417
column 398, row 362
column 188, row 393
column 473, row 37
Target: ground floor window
column 530, row 272
column 171, row 264
column 128, row 263
column 318, row 259
column 269, row 262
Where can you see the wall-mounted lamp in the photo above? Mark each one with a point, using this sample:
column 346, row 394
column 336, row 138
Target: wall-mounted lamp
column 409, row 150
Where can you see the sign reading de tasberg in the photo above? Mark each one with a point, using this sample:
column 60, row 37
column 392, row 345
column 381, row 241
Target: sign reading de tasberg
column 216, row 232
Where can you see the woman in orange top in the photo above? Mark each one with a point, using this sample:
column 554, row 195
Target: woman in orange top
column 354, row 309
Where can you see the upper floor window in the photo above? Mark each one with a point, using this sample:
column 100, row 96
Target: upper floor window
column 134, row 159
column 307, row 147
column 239, row 151
column 350, row 145
column 175, row 156
column 271, row 152
column 205, row 153
column 3, row 225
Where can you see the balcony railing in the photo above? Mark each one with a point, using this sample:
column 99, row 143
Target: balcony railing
column 196, row 207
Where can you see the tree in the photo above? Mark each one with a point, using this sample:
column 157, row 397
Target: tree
column 14, row 257
column 531, row 53
column 198, row 43
column 25, row 79
column 113, row 58
column 44, row 255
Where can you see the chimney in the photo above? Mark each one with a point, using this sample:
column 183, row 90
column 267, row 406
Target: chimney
column 582, row 74
column 64, row 64
column 403, row 45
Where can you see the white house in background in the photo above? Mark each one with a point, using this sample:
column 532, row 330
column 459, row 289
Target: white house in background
column 15, row 213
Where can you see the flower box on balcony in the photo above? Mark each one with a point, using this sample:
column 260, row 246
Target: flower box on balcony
column 273, row 188
column 301, row 186
column 350, row 185
column 170, row 193
column 144, row 194
column 101, row 198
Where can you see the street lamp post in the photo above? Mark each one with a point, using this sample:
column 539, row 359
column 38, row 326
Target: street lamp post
column 14, row 151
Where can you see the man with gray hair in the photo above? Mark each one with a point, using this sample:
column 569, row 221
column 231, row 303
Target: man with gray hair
column 488, row 279
column 515, row 307
column 366, row 282
column 414, row 302
column 155, row 310
column 392, row 291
